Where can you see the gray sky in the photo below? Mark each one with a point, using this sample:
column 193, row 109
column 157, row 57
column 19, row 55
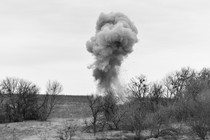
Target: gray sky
column 43, row 40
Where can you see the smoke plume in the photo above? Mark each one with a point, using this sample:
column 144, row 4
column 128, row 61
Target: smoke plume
column 113, row 41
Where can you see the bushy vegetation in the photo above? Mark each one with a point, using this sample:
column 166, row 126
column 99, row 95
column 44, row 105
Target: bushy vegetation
column 20, row 100
column 178, row 105
column 67, row 131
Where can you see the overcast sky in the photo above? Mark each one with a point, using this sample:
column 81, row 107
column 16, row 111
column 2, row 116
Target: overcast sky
column 43, row 40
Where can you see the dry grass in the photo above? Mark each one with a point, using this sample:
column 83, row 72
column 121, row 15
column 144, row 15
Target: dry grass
column 34, row 130
column 73, row 109
column 69, row 107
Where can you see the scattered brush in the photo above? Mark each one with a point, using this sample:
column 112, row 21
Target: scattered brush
column 44, row 135
column 67, row 131
column 14, row 135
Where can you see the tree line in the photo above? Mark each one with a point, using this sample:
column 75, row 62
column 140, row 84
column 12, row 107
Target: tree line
column 20, row 100
column 182, row 98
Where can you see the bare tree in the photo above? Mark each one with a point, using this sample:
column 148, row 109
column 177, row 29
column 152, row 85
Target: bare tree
column 156, row 96
column 50, row 99
column 113, row 111
column 27, row 99
column 109, row 107
column 136, row 117
column 175, row 83
column 139, row 104
column 204, row 74
column 118, row 117
column 2, row 110
column 156, row 92
column 138, row 88
column 95, row 104
column 67, row 131
column 200, row 121
column 9, row 88
column 21, row 100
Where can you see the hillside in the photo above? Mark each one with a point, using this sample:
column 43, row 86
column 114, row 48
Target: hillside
column 71, row 106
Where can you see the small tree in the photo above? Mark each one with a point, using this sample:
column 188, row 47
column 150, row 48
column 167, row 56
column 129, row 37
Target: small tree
column 138, row 88
column 27, row 100
column 50, row 99
column 119, row 116
column 95, row 104
column 110, row 108
column 137, row 118
column 204, row 75
column 3, row 117
column 156, row 95
column 159, row 123
column 197, row 96
column 21, row 99
column 200, row 121
column 175, row 83
column 113, row 112
column 139, row 104
column 67, row 132
column 9, row 88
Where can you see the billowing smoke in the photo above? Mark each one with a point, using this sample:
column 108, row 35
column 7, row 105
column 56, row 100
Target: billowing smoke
column 113, row 41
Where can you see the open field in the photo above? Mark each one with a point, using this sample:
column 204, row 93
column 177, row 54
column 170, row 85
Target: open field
column 35, row 130
column 73, row 109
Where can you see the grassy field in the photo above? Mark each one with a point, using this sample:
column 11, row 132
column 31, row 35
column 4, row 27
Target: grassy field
column 69, row 108
column 73, row 109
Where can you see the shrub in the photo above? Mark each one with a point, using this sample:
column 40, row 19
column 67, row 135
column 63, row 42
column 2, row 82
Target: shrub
column 67, row 131
column 136, row 117
column 200, row 122
column 200, row 129
column 111, row 111
column 159, row 123
column 95, row 104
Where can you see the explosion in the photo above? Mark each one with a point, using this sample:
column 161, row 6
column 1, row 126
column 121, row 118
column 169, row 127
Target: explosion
column 113, row 41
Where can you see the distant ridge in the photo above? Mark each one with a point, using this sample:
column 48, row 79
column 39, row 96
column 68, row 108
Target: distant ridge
column 62, row 99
